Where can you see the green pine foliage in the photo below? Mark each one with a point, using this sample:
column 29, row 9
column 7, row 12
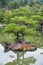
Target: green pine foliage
column 24, row 19
column 24, row 16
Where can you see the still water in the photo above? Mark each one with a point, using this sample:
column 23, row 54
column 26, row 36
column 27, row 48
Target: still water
column 21, row 58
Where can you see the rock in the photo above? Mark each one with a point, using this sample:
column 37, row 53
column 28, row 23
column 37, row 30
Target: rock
column 21, row 47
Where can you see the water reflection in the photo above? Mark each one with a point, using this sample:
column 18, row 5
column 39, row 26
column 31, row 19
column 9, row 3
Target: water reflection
column 5, row 57
column 21, row 58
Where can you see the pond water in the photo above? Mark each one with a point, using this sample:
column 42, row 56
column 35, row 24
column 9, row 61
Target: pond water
column 21, row 58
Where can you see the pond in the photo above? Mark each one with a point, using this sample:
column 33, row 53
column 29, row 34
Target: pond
column 21, row 58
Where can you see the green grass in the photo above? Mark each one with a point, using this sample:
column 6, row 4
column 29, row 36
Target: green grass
column 34, row 39
column 6, row 37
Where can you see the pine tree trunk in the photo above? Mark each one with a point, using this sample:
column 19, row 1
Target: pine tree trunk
column 17, row 36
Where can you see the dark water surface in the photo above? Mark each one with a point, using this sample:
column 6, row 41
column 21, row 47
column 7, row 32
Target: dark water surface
column 21, row 58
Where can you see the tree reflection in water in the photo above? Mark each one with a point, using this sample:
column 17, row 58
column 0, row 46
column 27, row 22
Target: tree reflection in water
column 21, row 60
